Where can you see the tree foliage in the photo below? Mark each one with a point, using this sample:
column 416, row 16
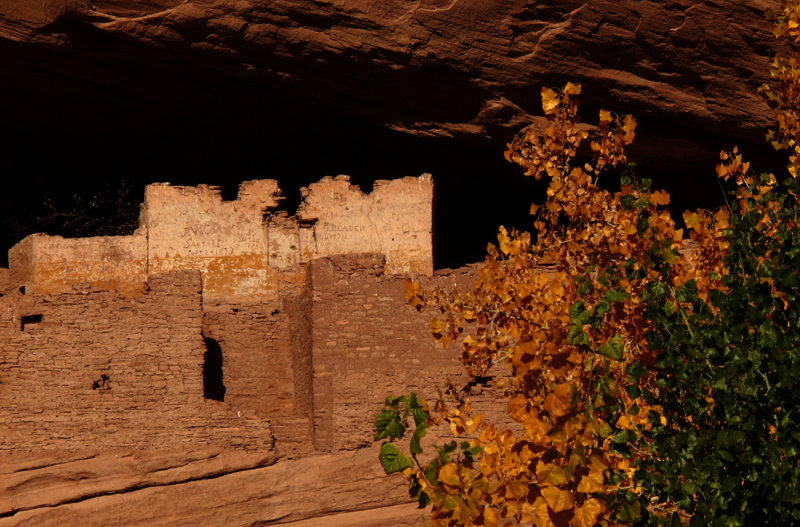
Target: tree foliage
column 653, row 366
column 111, row 210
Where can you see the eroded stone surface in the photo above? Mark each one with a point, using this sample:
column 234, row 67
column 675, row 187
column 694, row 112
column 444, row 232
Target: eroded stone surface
column 97, row 368
column 464, row 69
column 400, row 229
column 203, row 488
column 193, row 228
column 46, row 264
column 244, row 250
column 126, row 377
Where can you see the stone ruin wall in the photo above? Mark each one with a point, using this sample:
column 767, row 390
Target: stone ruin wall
column 97, row 369
column 245, row 249
column 367, row 343
column 105, row 340
column 90, row 359
column 306, row 372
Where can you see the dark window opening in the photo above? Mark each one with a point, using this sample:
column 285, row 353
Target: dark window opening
column 22, row 289
column 213, row 387
column 102, row 383
column 30, row 320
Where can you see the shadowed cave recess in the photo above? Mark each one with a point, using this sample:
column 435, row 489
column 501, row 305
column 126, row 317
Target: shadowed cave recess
column 75, row 122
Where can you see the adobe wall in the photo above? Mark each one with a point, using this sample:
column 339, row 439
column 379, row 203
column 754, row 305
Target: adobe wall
column 394, row 220
column 192, row 228
column 98, row 369
column 51, row 264
column 245, row 250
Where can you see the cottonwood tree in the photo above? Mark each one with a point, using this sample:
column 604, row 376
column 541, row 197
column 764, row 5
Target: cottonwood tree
column 653, row 366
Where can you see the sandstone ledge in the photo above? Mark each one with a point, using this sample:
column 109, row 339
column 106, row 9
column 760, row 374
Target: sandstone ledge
column 210, row 488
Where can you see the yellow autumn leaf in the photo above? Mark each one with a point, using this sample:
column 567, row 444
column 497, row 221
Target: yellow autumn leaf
column 605, row 117
column 597, row 463
column 549, row 474
column 624, row 423
column 555, row 186
column 722, row 216
column 448, row 475
column 692, row 219
column 783, row 298
column 518, row 407
column 536, row 429
column 629, row 127
column 549, row 100
column 659, row 197
column 503, row 239
column 572, row 89
column 557, row 499
column 490, row 518
column 542, row 516
column 587, row 514
column 591, row 482
column 560, row 401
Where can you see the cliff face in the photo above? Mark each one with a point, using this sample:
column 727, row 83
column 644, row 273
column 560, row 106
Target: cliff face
column 441, row 68
column 452, row 67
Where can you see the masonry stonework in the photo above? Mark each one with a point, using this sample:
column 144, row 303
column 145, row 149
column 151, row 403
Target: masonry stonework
column 97, row 368
column 222, row 325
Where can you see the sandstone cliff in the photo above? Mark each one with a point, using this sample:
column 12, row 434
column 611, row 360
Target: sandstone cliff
column 184, row 90
column 452, row 67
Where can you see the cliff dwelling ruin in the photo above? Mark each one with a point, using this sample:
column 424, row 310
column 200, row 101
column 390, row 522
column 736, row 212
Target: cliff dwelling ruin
column 222, row 325
column 209, row 301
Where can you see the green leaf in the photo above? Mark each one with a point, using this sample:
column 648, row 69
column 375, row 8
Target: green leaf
column 630, row 512
column 613, row 348
column 576, row 309
column 392, row 460
column 388, row 425
column 601, row 308
column 642, row 223
column 577, row 337
column 687, row 292
column 628, row 201
column 418, row 413
column 585, row 285
column 474, row 451
column 616, row 295
column 419, row 433
column 450, row 502
column 654, row 292
column 605, row 430
column 430, row 473
column 416, row 492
